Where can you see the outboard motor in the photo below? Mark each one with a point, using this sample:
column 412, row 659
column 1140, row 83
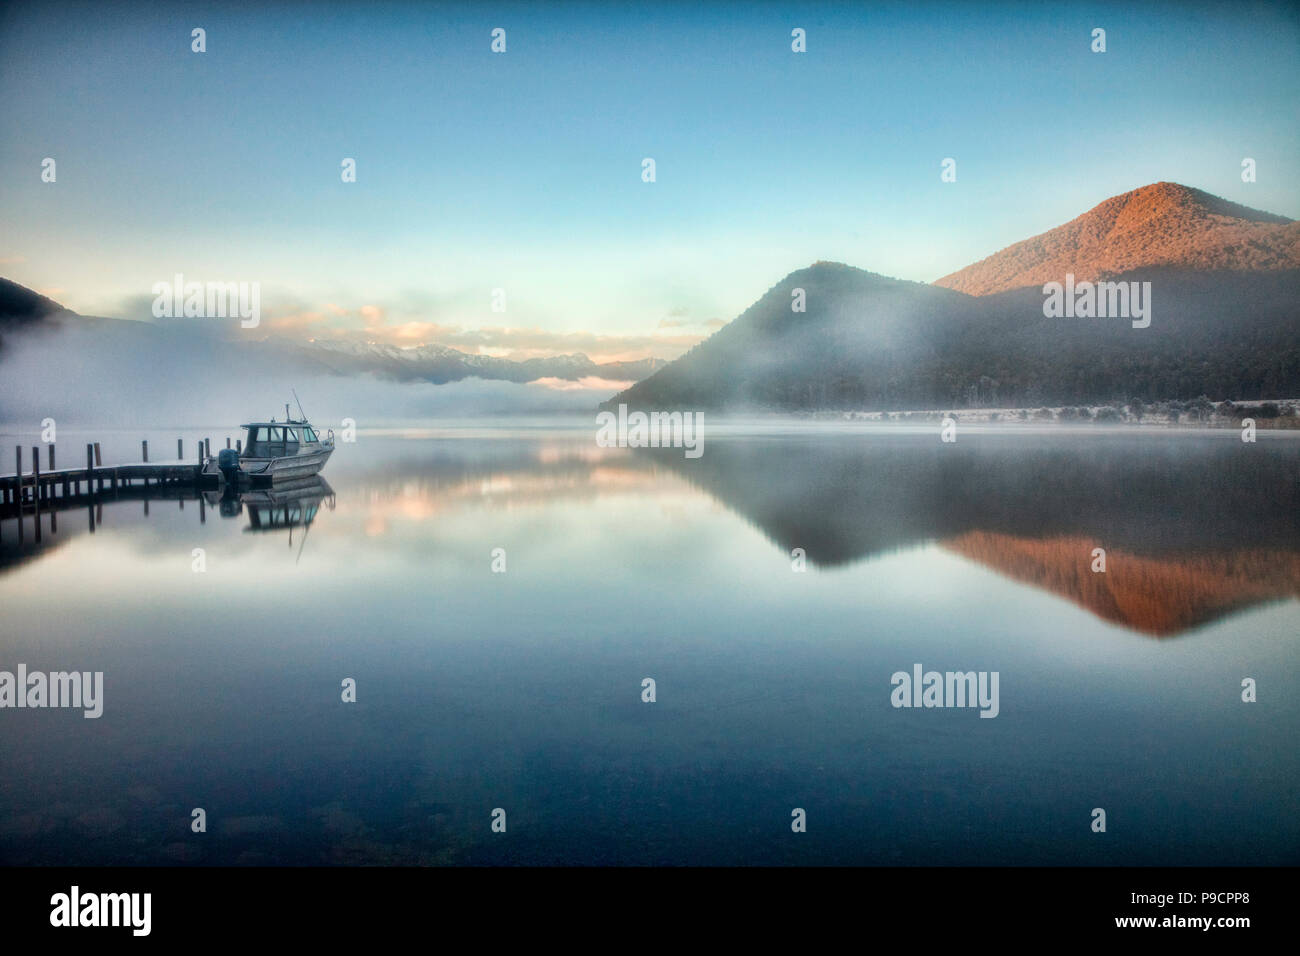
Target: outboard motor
column 228, row 462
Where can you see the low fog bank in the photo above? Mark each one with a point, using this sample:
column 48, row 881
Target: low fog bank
column 107, row 372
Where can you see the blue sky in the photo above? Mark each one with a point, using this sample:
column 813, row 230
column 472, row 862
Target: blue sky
column 522, row 170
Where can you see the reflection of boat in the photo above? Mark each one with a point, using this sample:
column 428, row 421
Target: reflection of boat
column 290, row 505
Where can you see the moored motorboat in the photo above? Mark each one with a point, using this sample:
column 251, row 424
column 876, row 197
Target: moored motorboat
column 275, row 451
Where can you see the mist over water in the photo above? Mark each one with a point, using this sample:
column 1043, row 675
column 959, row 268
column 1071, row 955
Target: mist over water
column 521, row 689
column 87, row 372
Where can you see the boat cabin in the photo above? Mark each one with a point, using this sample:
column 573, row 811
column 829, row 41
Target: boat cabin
column 278, row 439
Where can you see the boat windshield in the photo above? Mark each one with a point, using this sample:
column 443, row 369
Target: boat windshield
column 271, row 441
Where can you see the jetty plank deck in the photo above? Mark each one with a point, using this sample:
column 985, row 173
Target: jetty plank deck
column 55, row 485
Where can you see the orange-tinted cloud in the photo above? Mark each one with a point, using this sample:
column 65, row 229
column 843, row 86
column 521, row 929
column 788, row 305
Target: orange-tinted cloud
column 374, row 323
column 588, row 383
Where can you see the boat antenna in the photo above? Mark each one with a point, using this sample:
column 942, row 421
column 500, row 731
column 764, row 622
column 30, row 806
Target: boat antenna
column 302, row 543
column 299, row 401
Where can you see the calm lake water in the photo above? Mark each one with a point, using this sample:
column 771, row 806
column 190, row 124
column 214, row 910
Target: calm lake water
column 522, row 690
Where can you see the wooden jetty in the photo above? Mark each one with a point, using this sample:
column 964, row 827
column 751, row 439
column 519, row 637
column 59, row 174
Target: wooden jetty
column 56, row 489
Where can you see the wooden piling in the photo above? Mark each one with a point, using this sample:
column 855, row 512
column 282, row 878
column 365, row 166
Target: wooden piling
column 36, row 491
column 38, row 488
column 98, row 461
column 144, row 451
column 180, row 449
column 52, row 456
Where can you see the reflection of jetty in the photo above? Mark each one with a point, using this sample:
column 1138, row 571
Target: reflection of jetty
column 58, row 489
column 37, row 499
column 39, row 492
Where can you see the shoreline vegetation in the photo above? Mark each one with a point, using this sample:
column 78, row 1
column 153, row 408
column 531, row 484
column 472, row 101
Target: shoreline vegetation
column 1197, row 413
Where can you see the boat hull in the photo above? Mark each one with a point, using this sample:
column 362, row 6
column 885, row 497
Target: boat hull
column 283, row 469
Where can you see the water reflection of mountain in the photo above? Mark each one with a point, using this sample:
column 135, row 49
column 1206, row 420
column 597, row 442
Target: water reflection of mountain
column 1161, row 596
column 1194, row 526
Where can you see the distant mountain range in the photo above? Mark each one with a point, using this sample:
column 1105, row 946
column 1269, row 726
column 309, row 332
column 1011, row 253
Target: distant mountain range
column 1225, row 323
column 20, row 308
column 1225, row 288
column 439, row 364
